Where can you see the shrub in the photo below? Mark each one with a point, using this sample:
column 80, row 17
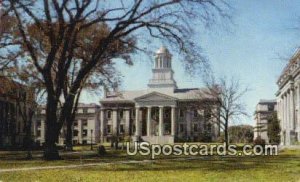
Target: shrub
column 259, row 141
column 101, row 150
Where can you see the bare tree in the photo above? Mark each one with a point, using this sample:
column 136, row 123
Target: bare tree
column 227, row 94
column 53, row 34
column 27, row 105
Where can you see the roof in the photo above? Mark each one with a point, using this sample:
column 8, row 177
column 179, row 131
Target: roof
column 267, row 101
column 180, row 94
column 289, row 67
column 80, row 105
column 87, row 105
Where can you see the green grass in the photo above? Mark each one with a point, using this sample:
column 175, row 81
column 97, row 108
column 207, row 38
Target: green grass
column 284, row 167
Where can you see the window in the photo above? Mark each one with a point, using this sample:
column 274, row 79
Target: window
column 84, row 122
column 121, row 114
column 121, row 128
column 75, row 123
column 207, row 114
column 19, row 127
column 195, row 113
column 132, row 113
column 167, row 114
column 84, row 133
column 84, row 142
column 75, row 133
column 195, row 127
column 271, row 107
column 84, row 110
column 108, row 128
column 209, row 127
column 181, row 113
column 38, row 133
column 108, row 114
column 38, row 123
column 181, row 128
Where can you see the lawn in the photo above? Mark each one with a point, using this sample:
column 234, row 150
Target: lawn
column 284, row 167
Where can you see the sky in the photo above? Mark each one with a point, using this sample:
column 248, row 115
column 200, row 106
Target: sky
column 254, row 48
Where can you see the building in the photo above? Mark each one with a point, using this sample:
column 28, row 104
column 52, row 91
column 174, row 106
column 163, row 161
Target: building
column 162, row 113
column 85, row 126
column 288, row 101
column 264, row 109
column 13, row 97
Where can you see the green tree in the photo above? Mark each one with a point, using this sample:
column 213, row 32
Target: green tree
column 274, row 129
column 241, row 133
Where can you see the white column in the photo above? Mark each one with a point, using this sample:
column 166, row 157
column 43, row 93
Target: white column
column 298, row 117
column 298, row 108
column 173, row 121
column 137, row 121
column 161, row 121
column 288, row 119
column 43, row 131
column 285, row 116
column 189, row 122
column 282, row 118
column 102, row 127
column 115, row 121
column 127, row 121
column 79, row 131
column 285, row 111
column 292, row 106
column 149, row 121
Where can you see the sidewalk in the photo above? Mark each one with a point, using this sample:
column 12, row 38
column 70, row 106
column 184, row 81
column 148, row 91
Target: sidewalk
column 71, row 166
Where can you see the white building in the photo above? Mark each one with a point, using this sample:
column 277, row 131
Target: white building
column 264, row 109
column 162, row 113
column 85, row 126
column 13, row 109
column 288, row 101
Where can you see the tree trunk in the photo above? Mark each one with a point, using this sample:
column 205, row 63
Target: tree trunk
column 28, row 137
column 69, row 137
column 69, row 120
column 52, row 130
column 226, row 135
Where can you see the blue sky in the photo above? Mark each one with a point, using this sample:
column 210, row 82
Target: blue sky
column 255, row 49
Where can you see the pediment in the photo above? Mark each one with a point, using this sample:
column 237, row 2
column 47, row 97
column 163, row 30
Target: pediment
column 155, row 96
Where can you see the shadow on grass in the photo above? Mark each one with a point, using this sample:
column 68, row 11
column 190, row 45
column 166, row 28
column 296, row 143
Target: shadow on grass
column 211, row 163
